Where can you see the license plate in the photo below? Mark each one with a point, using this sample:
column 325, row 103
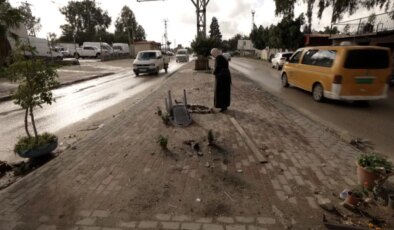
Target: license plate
column 365, row 80
column 143, row 70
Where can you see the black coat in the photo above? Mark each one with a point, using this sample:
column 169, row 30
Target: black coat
column 222, row 83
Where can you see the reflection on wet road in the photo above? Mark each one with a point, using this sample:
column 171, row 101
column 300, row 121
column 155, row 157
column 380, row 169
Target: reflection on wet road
column 74, row 103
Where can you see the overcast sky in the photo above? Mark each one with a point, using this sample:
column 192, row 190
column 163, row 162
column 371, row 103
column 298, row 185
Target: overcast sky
column 234, row 16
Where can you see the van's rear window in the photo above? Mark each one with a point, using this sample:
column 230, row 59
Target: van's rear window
column 367, row 59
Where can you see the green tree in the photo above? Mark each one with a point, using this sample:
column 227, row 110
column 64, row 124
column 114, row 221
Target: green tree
column 127, row 27
column 84, row 21
column 36, row 78
column 214, row 31
column 257, row 37
column 287, row 34
column 203, row 46
column 9, row 18
column 233, row 42
column 340, row 7
column 32, row 23
column 329, row 30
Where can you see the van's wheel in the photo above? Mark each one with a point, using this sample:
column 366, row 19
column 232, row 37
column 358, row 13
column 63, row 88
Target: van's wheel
column 76, row 56
column 318, row 92
column 98, row 55
column 285, row 82
column 166, row 69
column 137, row 74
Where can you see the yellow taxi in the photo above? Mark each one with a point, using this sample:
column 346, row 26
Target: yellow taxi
column 340, row 72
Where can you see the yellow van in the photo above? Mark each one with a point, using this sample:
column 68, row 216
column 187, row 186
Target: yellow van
column 340, row 72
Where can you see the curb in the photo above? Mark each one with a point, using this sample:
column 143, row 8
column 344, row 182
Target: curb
column 9, row 97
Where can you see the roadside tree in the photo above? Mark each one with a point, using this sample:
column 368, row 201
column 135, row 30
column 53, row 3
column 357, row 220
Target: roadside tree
column 36, row 78
column 31, row 22
column 9, row 18
column 127, row 27
column 85, row 21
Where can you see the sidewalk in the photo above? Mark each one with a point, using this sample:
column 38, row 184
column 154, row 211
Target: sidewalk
column 73, row 74
column 119, row 178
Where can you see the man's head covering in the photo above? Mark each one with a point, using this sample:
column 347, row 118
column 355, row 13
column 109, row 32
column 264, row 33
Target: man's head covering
column 215, row 52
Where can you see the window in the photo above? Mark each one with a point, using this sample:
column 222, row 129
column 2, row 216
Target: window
column 324, row 58
column 367, row 59
column 287, row 55
column 296, row 57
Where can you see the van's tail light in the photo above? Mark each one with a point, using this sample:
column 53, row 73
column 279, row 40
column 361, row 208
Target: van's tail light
column 337, row 79
column 389, row 79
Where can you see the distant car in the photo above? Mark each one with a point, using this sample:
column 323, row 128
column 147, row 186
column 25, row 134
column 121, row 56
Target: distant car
column 227, row 56
column 280, row 59
column 182, row 55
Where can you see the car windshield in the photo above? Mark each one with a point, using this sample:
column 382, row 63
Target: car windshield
column 146, row 55
column 287, row 55
column 181, row 52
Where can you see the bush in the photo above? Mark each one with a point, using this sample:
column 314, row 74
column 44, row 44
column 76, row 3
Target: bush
column 203, row 46
column 30, row 143
column 374, row 163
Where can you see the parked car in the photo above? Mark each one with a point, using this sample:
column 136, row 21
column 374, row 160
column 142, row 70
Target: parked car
column 121, row 48
column 280, row 59
column 227, row 56
column 88, row 51
column 61, row 50
column 150, row 61
column 340, row 72
column 182, row 55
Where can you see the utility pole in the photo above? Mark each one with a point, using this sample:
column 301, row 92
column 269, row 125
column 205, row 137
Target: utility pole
column 201, row 6
column 253, row 12
column 165, row 34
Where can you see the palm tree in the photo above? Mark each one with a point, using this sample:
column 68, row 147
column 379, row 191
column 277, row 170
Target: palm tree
column 9, row 18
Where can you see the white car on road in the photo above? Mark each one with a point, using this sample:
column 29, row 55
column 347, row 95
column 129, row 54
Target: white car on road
column 150, row 61
column 280, row 59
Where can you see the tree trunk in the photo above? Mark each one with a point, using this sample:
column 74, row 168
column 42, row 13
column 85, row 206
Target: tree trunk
column 33, row 122
column 26, row 124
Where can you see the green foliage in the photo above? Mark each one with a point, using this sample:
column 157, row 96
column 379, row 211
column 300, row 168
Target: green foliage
column 32, row 23
column 126, row 25
column 84, row 20
column 329, row 30
column 163, row 141
column 258, row 38
column 287, row 34
column 203, row 46
column 36, row 79
column 375, row 163
column 31, row 143
column 340, row 7
column 214, row 32
column 9, row 18
column 359, row 192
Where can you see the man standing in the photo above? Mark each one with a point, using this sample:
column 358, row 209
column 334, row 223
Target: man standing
column 222, row 81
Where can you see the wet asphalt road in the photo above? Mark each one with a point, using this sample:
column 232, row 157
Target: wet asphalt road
column 374, row 122
column 74, row 103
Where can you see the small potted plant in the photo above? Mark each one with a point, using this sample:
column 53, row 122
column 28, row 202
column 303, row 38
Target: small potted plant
column 372, row 168
column 356, row 195
column 36, row 78
column 163, row 141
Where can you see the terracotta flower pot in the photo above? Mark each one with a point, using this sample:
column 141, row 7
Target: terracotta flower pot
column 366, row 177
column 352, row 200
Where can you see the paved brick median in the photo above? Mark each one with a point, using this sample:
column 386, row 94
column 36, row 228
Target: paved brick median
column 119, row 178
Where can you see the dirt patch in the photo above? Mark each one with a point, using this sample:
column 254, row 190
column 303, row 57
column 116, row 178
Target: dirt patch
column 215, row 208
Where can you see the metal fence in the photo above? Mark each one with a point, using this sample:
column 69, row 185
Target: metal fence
column 367, row 25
